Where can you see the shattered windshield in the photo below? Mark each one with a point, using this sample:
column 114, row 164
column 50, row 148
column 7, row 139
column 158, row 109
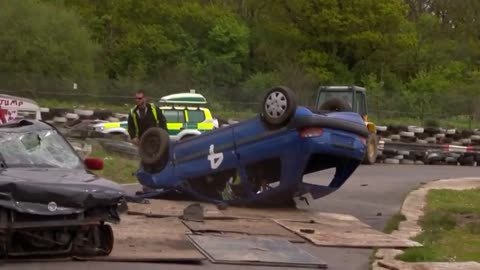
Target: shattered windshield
column 42, row 148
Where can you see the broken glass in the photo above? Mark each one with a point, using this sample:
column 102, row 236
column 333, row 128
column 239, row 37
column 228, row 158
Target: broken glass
column 42, row 148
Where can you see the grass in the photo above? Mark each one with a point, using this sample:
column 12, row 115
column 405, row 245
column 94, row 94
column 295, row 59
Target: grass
column 394, row 222
column 451, row 228
column 115, row 167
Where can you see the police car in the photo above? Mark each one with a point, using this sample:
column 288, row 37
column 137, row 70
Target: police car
column 185, row 113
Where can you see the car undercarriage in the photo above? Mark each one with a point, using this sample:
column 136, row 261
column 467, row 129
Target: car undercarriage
column 83, row 234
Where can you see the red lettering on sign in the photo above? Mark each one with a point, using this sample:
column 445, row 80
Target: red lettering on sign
column 11, row 102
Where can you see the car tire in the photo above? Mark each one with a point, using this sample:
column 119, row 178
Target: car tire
column 154, row 149
column 279, row 105
column 335, row 104
column 107, row 239
column 372, row 150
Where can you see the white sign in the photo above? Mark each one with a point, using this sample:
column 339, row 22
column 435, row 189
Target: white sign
column 215, row 159
column 10, row 102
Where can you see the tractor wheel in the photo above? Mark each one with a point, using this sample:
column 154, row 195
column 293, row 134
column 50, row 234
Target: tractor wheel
column 154, row 149
column 372, row 149
column 279, row 105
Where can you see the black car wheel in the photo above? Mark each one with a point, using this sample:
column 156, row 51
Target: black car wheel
column 154, row 149
column 106, row 239
column 279, row 105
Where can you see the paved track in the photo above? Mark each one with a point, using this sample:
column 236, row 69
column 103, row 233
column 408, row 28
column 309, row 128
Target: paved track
column 373, row 195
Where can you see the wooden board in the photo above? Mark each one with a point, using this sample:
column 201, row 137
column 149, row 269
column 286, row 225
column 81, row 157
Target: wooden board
column 335, row 232
column 266, row 228
column 266, row 213
column 168, row 208
column 254, row 251
column 142, row 239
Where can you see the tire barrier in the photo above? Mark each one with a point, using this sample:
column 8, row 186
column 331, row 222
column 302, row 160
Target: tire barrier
column 84, row 147
column 399, row 144
column 122, row 148
column 428, row 145
column 49, row 114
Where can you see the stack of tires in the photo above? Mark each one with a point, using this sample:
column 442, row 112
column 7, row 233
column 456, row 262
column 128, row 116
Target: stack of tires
column 434, row 136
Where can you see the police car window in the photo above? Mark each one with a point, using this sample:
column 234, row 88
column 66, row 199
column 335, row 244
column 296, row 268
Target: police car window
column 174, row 116
column 196, row 116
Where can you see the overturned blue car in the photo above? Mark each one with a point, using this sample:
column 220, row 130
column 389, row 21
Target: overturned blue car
column 260, row 161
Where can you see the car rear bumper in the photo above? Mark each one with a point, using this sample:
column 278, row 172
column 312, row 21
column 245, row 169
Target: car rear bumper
column 336, row 143
column 329, row 122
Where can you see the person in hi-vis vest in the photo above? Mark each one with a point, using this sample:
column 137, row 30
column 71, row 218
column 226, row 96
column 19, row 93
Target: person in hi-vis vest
column 144, row 116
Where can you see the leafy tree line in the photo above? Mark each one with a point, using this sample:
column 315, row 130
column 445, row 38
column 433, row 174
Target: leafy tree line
column 420, row 56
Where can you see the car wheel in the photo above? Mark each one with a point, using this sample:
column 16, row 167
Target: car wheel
column 279, row 105
column 335, row 104
column 107, row 239
column 372, row 150
column 154, row 149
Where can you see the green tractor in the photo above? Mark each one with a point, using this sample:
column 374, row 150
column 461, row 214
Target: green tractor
column 349, row 98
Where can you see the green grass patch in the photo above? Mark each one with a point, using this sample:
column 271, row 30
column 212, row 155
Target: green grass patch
column 394, row 222
column 451, row 228
column 115, row 167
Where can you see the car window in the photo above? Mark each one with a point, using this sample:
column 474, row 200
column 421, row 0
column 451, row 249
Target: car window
column 45, row 148
column 174, row 116
column 360, row 103
column 196, row 116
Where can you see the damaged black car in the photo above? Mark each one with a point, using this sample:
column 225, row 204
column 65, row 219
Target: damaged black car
column 50, row 201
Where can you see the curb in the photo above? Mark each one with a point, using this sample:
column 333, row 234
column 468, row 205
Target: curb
column 412, row 209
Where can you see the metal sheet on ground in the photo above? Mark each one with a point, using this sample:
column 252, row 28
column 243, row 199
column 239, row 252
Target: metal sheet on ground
column 167, row 208
column 245, row 226
column 330, row 230
column 143, row 239
column 254, row 251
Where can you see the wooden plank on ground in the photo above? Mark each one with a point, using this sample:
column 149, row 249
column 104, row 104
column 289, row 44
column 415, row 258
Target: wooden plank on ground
column 170, row 208
column 264, row 213
column 340, row 231
column 143, row 239
column 254, row 251
column 265, row 227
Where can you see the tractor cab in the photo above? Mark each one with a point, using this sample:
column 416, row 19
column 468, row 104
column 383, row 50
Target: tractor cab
column 351, row 98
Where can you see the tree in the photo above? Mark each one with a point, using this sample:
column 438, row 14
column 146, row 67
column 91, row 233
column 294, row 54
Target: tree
column 40, row 40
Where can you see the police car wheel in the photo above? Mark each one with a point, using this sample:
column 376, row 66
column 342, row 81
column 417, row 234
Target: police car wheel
column 279, row 105
column 154, row 149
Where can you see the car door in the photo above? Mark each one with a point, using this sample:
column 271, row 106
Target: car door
column 175, row 120
column 205, row 154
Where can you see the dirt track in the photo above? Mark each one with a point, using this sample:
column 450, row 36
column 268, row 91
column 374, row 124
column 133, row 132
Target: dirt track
column 373, row 194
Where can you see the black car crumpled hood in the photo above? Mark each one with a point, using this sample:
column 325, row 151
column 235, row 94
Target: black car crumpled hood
column 55, row 191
